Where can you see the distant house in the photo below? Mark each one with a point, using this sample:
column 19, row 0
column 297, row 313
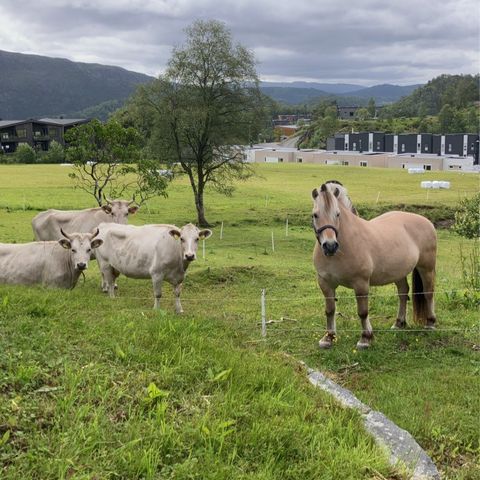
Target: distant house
column 460, row 144
column 347, row 113
column 38, row 133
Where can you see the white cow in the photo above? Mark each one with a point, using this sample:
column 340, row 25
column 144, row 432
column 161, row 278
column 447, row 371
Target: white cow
column 46, row 225
column 53, row 264
column 160, row 252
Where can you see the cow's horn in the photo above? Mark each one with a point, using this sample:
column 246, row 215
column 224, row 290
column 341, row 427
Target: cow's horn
column 64, row 234
column 95, row 233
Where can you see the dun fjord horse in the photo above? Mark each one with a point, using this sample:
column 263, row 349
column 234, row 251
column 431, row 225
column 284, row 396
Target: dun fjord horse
column 357, row 253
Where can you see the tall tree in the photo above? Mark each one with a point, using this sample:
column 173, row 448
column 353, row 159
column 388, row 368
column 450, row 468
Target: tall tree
column 205, row 105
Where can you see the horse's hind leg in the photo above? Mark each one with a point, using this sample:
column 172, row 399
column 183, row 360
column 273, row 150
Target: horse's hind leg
column 330, row 335
column 402, row 288
column 428, row 280
column 362, row 308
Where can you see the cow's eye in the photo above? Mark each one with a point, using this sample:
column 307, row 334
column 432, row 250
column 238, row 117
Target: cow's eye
column 315, row 215
column 338, row 214
column 74, row 251
column 89, row 250
column 196, row 240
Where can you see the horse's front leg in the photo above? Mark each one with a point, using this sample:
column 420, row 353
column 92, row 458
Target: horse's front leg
column 361, row 294
column 329, row 294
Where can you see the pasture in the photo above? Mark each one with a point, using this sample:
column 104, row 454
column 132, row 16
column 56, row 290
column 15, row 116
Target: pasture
column 92, row 387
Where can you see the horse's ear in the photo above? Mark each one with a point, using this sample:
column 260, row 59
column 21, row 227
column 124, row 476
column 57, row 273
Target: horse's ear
column 314, row 193
column 336, row 192
column 323, row 188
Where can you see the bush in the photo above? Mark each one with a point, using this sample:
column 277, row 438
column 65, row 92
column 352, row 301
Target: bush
column 467, row 217
column 25, row 154
column 55, row 154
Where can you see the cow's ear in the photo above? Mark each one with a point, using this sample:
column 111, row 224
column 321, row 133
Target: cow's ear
column 314, row 193
column 65, row 243
column 175, row 233
column 133, row 209
column 107, row 208
column 203, row 234
column 96, row 243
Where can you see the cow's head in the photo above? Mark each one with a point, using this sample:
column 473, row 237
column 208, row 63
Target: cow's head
column 120, row 210
column 189, row 235
column 80, row 246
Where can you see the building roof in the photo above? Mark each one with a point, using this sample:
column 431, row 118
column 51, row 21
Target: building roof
column 63, row 121
column 51, row 121
column 10, row 123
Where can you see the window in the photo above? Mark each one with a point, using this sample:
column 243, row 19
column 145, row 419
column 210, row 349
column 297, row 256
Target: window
column 5, row 136
column 346, row 146
column 449, row 147
column 427, row 167
column 378, row 145
column 403, row 165
column 403, row 147
column 52, row 131
column 300, row 160
column 418, row 145
column 37, row 133
column 364, row 163
column 352, row 113
column 21, row 132
column 280, row 159
column 354, row 146
column 426, row 148
column 344, row 163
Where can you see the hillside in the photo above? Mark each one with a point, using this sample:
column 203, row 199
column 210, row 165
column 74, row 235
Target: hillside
column 385, row 93
column 458, row 91
column 35, row 86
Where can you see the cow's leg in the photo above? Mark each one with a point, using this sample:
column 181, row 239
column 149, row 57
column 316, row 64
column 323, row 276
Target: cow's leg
column 108, row 279
column 329, row 294
column 157, row 280
column 361, row 292
column 178, row 291
column 402, row 288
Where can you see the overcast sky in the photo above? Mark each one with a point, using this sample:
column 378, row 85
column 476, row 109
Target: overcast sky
column 364, row 42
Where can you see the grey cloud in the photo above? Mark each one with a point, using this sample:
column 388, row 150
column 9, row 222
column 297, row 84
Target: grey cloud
column 368, row 42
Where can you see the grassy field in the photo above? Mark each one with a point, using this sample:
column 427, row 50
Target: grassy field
column 95, row 388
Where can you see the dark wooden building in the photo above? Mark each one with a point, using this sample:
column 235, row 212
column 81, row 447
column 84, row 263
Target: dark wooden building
column 38, row 133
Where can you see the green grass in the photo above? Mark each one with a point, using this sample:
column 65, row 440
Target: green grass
column 228, row 404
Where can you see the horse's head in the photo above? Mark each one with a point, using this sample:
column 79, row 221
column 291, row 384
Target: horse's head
column 326, row 217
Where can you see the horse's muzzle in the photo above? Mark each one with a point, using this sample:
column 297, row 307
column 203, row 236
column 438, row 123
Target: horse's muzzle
column 330, row 248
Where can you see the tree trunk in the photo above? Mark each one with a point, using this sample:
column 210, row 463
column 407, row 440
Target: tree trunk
column 202, row 221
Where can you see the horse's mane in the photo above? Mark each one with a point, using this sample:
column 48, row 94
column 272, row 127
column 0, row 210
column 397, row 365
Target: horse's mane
column 343, row 195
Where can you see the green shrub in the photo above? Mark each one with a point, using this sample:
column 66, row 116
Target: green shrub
column 25, row 154
column 467, row 217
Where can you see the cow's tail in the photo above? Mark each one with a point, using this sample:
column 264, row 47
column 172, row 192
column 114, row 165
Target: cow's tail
column 419, row 300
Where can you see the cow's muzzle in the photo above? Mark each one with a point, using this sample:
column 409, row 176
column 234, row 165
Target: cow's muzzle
column 81, row 266
column 190, row 257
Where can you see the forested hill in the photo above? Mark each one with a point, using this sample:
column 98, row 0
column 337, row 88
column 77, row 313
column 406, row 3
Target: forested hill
column 34, row 86
column 458, row 91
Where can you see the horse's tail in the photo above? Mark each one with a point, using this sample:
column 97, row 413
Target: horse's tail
column 419, row 300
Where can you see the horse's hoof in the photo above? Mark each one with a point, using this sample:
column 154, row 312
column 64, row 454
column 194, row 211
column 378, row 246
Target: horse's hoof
column 324, row 344
column 430, row 327
column 361, row 345
column 399, row 325
column 327, row 341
